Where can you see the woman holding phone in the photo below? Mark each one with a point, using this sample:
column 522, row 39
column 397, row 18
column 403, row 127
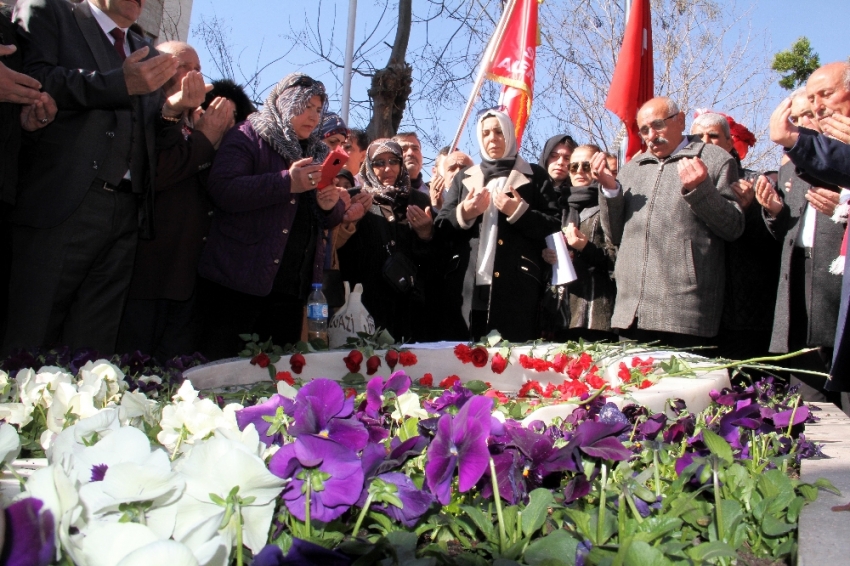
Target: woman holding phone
column 265, row 245
column 497, row 215
column 390, row 249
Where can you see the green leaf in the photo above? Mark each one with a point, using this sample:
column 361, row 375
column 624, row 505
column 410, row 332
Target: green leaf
column 808, row 491
column 794, row 509
column 773, row 527
column 409, row 429
column 710, row 550
column 246, row 337
column 354, row 379
column 493, row 338
column 556, row 548
column 510, row 514
column 717, row 445
column 483, row 522
column 656, row 527
column 642, row 554
column 534, row 514
column 476, row 386
column 826, row 485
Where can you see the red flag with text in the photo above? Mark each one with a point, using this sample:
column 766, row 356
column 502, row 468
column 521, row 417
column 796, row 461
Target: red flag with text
column 512, row 64
column 633, row 81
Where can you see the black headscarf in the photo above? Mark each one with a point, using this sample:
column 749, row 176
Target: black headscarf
column 551, row 143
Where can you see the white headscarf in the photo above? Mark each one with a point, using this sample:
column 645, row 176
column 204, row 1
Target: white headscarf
column 495, row 183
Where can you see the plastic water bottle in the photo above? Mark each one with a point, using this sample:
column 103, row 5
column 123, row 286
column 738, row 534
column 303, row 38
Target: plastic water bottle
column 317, row 314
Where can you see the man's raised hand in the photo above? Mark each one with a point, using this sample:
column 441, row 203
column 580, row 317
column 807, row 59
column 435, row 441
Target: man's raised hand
column 143, row 77
column 192, row 93
column 15, row 87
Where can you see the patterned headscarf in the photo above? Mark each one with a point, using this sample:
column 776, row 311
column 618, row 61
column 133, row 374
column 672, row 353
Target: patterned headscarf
column 288, row 99
column 395, row 195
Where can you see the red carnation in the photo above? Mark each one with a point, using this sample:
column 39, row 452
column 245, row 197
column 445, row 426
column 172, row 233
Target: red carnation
column 261, row 359
column 624, row 374
column 585, row 361
column 498, row 364
column 644, row 384
column 570, row 389
column 407, row 358
column 526, row 362
column 574, row 370
column 528, row 387
column 284, row 376
column 426, row 380
column 372, row 364
column 463, row 353
column 350, row 392
column 540, row 364
column 550, row 389
column 479, row 356
column 297, row 362
column 449, row 381
column 391, row 358
column 493, row 394
column 595, row 381
column 559, row 362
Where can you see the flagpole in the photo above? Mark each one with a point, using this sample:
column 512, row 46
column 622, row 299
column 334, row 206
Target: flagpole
column 349, row 56
column 479, row 80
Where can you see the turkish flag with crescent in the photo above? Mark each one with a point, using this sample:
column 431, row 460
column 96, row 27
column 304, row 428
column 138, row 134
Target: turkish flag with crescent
column 512, row 64
column 633, row 81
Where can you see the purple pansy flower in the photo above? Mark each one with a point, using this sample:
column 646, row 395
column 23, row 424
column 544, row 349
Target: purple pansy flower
column 376, row 390
column 322, row 409
column 415, row 502
column 460, row 442
column 339, row 465
column 256, row 413
column 453, row 397
column 301, row 553
column 594, row 439
column 29, row 534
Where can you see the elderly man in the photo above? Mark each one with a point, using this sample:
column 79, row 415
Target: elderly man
column 671, row 210
column 752, row 261
column 71, row 269
column 817, row 156
column 412, row 152
column 449, row 166
column 162, row 291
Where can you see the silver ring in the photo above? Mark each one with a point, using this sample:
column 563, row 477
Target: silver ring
column 312, row 183
column 310, row 176
column 44, row 120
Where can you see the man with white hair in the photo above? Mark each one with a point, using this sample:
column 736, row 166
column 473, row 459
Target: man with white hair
column 752, row 261
column 671, row 210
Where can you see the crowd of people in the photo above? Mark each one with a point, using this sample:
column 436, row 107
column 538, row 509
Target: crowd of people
column 147, row 210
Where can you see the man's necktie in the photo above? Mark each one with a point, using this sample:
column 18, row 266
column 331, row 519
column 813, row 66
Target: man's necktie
column 119, row 42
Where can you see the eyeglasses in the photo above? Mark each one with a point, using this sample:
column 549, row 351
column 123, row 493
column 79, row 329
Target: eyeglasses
column 585, row 166
column 657, row 125
column 381, row 163
column 709, row 135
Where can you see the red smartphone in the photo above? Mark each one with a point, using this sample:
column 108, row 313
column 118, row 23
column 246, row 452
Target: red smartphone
column 332, row 166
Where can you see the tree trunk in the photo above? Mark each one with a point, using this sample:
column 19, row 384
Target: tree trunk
column 391, row 86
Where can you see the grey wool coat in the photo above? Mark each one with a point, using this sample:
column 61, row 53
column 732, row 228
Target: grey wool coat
column 670, row 269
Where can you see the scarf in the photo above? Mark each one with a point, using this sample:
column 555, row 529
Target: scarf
column 288, row 99
column 576, row 199
column 397, row 195
column 496, row 171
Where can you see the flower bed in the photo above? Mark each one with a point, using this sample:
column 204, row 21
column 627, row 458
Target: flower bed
column 390, row 466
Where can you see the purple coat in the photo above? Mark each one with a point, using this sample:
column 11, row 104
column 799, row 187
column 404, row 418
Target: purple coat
column 249, row 185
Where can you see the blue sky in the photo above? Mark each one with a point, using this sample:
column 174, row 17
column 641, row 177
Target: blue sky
column 265, row 23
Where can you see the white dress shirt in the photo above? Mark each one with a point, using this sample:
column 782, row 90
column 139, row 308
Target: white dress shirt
column 107, row 25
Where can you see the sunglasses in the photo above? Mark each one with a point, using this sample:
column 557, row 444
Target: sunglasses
column 657, row 125
column 710, row 135
column 584, row 165
column 381, row 163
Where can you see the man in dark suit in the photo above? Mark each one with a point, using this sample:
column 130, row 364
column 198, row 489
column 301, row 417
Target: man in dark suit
column 85, row 191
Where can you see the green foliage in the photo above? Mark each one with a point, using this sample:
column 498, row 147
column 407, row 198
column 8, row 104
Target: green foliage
column 796, row 64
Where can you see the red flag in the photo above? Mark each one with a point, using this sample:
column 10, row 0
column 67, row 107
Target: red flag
column 513, row 62
column 633, row 81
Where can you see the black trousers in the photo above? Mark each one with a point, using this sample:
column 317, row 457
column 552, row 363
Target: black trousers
column 162, row 328
column 69, row 282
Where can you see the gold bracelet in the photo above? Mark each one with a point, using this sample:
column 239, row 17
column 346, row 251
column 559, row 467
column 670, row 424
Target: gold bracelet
column 169, row 118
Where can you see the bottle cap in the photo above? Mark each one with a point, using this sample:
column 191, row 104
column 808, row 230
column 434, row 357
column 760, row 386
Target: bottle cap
column 317, row 285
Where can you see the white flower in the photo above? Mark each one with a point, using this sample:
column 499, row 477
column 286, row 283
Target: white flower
column 136, row 409
column 286, row 390
column 5, row 387
column 185, row 393
column 189, row 419
column 103, row 380
column 410, row 407
column 161, row 552
column 16, row 413
column 10, row 443
column 36, row 389
column 216, row 466
column 56, row 490
column 67, row 400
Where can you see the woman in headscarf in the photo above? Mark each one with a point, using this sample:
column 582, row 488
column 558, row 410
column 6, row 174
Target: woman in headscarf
column 398, row 224
column 501, row 209
column 265, row 245
column 591, row 296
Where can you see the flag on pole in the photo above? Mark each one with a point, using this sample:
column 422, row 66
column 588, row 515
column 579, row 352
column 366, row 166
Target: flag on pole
column 512, row 63
column 633, row 81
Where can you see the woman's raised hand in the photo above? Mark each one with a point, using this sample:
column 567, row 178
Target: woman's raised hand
column 575, row 238
column 303, row 176
column 421, row 221
column 507, row 201
column 327, row 197
column 475, row 203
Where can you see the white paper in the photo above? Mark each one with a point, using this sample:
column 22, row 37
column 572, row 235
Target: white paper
column 563, row 271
